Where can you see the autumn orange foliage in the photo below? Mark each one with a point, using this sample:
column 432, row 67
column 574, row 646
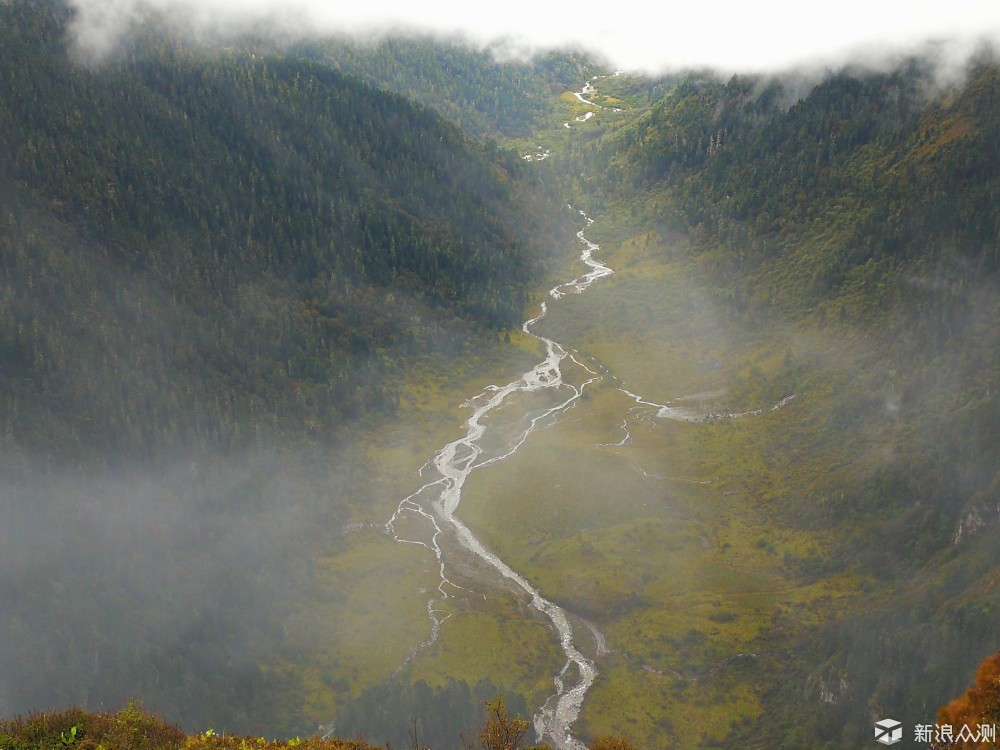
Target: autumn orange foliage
column 610, row 742
column 979, row 706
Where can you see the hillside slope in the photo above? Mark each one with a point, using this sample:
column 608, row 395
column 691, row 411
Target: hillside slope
column 213, row 272
column 239, row 189
column 843, row 247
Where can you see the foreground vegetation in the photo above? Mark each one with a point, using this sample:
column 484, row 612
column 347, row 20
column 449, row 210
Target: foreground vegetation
column 132, row 728
column 979, row 706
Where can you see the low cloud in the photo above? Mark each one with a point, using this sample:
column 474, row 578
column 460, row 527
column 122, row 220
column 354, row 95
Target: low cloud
column 726, row 35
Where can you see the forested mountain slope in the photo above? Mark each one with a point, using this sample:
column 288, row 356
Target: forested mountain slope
column 241, row 220
column 212, row 269
column 849, row 241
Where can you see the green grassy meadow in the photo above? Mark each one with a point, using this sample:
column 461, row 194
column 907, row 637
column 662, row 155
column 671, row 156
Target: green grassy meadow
column 674, row 542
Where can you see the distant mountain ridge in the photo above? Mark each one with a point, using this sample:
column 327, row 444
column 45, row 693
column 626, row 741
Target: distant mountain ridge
column 485, row 95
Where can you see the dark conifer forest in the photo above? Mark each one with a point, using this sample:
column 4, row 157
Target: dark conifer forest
column 236, row 223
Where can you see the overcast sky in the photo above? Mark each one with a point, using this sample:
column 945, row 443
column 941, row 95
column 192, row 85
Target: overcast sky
column 727, row 34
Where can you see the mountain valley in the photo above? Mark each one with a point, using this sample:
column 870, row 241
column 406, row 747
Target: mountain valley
column 248, row 296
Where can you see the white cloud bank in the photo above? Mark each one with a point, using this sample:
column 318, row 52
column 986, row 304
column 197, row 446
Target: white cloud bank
column 727, row 34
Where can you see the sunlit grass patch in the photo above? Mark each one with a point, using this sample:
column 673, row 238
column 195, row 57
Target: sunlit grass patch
column 661, row 710
column 688, row 583
column 498, row 638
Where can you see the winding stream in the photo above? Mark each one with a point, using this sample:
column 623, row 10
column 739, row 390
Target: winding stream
column 503, row 418
column 433, row 505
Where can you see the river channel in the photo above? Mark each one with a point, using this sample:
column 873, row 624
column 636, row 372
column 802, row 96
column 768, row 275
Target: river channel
column 492, row 435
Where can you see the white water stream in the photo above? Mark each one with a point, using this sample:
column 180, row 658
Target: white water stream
column 490, row 437
column 435, row 503
column 428, row 514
